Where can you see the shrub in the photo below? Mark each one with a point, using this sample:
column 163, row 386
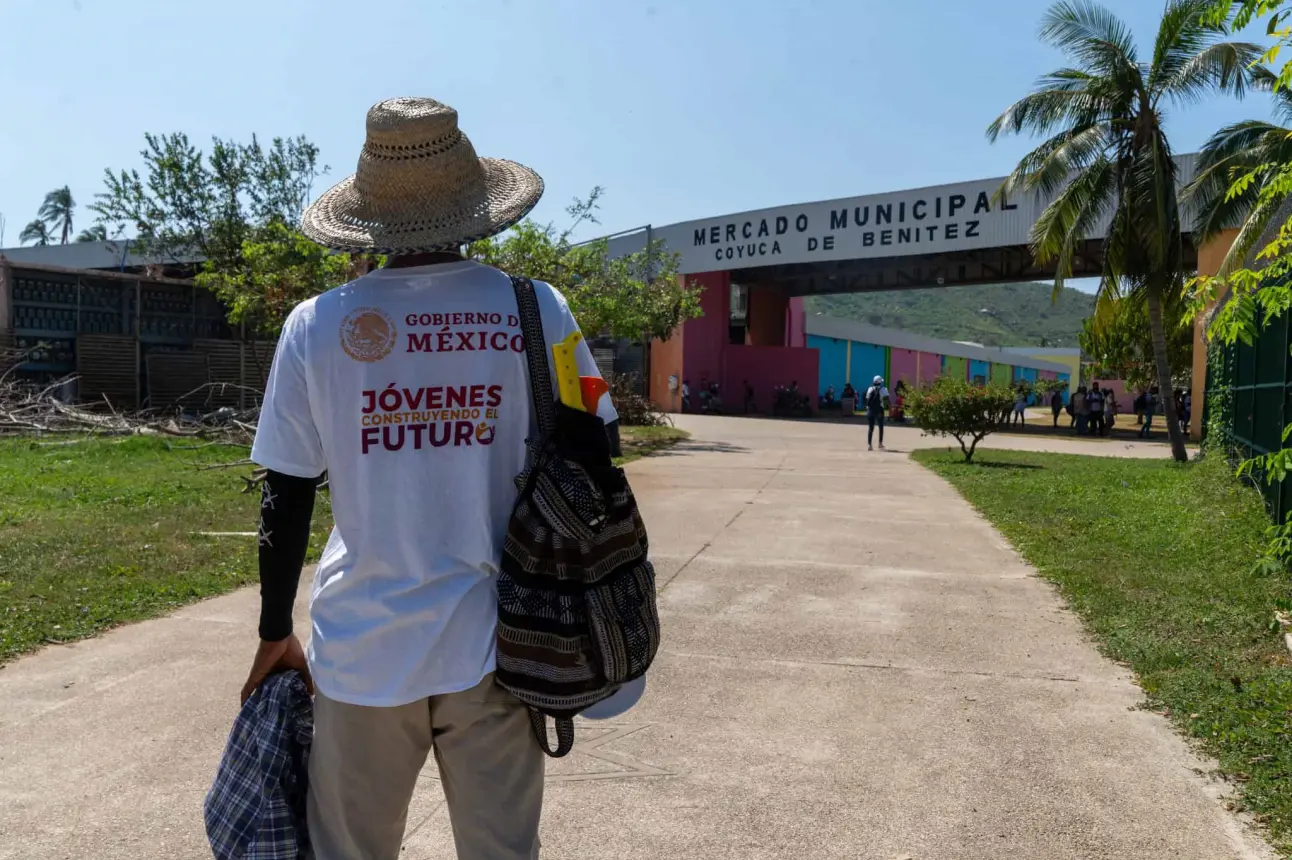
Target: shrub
column 953, row 407
column 635, row 410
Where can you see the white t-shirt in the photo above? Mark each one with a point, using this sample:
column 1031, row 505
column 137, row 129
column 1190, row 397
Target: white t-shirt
column 410, row 388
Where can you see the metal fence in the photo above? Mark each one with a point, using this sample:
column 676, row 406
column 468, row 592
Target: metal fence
column 1249, row 391
column 130, row 340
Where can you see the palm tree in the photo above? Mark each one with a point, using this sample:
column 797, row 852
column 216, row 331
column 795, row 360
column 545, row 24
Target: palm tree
column 1106, row 159
column 56, row 211
column 36, row 232
column 1233, row 151
column 96, row 233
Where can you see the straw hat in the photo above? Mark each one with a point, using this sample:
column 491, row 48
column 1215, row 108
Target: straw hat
column 420, row 187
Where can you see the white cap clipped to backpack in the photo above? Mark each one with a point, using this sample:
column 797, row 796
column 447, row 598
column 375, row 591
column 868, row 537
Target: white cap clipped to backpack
column 619, row 702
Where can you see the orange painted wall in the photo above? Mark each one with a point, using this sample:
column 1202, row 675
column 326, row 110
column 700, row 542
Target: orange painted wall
column 1210, row 256
column 666, row 361
column 767, row 309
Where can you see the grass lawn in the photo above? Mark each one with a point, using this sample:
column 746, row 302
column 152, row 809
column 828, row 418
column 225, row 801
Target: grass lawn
column 638, row 442
column 107, row 531
column 1157, row 559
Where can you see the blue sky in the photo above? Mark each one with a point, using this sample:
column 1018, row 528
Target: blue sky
column 680, row 108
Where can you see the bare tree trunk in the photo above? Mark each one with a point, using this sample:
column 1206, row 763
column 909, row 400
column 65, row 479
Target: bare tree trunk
column 1164, row 386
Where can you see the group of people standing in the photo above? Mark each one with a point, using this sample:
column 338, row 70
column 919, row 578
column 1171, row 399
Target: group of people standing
column 1093, row 411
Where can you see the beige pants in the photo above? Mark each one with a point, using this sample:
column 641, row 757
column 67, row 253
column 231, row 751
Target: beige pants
column 364, row 765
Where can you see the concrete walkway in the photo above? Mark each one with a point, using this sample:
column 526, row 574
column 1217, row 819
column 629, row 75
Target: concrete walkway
column 855, row 666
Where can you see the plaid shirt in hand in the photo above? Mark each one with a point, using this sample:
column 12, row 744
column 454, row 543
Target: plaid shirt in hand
column 255, row 810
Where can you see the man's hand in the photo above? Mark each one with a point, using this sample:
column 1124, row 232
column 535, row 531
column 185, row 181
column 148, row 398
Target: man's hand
column 274, row 657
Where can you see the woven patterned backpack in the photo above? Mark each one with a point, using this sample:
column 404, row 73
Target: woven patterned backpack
column 576, row 592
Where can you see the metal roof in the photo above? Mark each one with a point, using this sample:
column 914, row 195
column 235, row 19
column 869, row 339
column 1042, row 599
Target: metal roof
column 112, row 254
column 841, row 329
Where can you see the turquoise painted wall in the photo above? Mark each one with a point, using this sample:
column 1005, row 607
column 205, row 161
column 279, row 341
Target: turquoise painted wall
column 868, row 361
column 832, row 362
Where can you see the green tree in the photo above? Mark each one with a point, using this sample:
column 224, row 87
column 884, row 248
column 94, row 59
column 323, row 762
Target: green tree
column 94, row 233
column 280, row 268
column 1120, row 343
column 236, row 210
column 1106, row 158
column 637, row 296
column 1256, row 147
column 189, row 204
column 36, row 232
column 57, row 211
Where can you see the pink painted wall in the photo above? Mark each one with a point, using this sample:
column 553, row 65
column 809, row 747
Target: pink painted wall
column 795, row 319
column 705, row 337
column 1125, row 399
column 930, row 368
column 1049, row 374
column 901, row 365
column 766, row 367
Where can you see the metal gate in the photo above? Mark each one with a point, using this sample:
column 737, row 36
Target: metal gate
column 1250, row 396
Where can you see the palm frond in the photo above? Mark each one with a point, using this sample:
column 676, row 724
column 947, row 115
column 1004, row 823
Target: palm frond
column 1048, row 167
column 36, row 232
column 1228, row 153
column 1224, row 67
column 1089, row 32
column 1259, row 218
column 1153, row 207
column 1043, row 111
column 1072, row 215
column 1185, row 30
column 96, row 233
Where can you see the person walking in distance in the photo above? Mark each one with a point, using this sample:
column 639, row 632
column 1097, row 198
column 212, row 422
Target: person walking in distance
column 876, row 400
column 1150, row 406
column 410, row 388
column 1056, row 405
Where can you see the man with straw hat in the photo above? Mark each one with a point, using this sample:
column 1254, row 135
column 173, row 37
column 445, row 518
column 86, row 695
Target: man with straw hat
column 409, row 388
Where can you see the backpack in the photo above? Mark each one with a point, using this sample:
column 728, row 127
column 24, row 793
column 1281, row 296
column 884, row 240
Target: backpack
column 875, row 398
column 577, row 617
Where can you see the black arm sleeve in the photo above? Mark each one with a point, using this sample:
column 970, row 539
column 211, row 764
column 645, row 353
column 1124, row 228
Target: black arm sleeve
column 286, row 505
column 612, row 431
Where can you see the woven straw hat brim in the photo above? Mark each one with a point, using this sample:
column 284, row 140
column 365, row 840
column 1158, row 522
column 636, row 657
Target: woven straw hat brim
column 510, row 192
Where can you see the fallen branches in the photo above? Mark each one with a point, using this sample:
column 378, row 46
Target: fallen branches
column 29, row 409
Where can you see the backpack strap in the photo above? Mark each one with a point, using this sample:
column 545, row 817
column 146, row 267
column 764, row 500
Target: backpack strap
column 564, row 733
column 540, row 372
column 540, row 384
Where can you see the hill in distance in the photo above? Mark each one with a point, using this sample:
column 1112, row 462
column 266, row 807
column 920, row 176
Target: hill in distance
column 989, row 314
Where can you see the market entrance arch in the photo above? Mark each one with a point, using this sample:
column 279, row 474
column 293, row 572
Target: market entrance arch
column 756, row 268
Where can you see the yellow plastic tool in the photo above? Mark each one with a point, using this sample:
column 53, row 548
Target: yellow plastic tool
column 567, row 370
column 582, row 393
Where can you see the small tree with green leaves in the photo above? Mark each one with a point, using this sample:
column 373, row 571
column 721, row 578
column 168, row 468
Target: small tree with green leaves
column 280, row 268
column 968, row 413
column 1119, row 340
column 1045, row 387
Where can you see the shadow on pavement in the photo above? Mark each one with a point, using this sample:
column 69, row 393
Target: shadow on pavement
column 691, row 446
